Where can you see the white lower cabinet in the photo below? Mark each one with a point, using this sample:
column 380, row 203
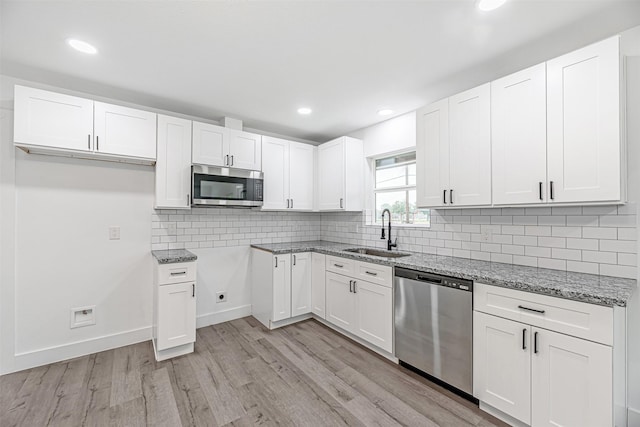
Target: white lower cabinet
column 537, row 376
column 360, row 307
column 281, row 286
column 318, row 285
column 175, row 310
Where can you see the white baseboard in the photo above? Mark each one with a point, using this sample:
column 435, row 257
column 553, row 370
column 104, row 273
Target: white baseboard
column 633, row 417
column 44, row 356
column 223, row 316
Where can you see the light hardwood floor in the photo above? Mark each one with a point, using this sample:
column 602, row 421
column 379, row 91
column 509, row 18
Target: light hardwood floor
column 240, row 374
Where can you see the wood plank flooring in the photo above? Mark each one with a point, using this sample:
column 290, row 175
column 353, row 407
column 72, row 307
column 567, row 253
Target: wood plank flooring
column 240, row 374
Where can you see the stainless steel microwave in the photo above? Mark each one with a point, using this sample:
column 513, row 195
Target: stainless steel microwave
column 216, row 186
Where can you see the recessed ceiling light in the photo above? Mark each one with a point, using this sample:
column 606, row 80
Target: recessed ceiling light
column 81, row 46
column 487, row 5
column 304, row 110
column 385, row 112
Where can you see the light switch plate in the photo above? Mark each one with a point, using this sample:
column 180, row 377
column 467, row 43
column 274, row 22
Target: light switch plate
column 114, row 233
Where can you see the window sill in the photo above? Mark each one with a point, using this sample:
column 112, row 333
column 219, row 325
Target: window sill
column 394, row 225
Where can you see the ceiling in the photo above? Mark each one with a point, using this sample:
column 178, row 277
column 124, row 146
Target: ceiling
column 260, row 60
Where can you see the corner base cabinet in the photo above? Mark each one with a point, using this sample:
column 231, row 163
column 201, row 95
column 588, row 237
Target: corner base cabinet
column 546, row 361
column 174, row 329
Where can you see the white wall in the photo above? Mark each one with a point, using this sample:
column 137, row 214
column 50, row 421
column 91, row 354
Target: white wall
column 391, row 136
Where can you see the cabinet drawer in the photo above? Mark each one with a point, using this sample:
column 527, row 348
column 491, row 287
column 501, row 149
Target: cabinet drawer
column 374, row 273
column 176, row 273
column 583, row 320
column 341, row 265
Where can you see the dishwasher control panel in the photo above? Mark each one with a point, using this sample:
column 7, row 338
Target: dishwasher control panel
column 435, row 279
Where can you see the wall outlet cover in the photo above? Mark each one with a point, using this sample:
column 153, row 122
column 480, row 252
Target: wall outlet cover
column 83, row 316
column 114, row 232
column 221, row 297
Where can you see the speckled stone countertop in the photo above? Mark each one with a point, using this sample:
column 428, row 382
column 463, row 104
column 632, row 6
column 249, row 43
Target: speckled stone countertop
column 171, row 256
column 591, row 288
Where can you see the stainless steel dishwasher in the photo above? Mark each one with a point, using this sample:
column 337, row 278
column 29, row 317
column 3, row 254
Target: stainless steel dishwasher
column 433, row 326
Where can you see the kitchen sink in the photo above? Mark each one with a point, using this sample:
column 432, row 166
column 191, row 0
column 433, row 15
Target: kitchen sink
column 376, row 252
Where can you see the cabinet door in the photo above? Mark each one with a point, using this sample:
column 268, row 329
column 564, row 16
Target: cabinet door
column 275, row 166
column 331, row 178
column 318, row 286
column 210, row 145
column 281, row 287
column 301, row 172
column 502, row 365
column 300, row 284
column 245, row 150
column 432, row 154
column 374, row 310
column 572, row 381
column 173, row 163
column 124, row 131
column 176, row 315
column 519, row 137
column 340, row 302
column 470, row 147
column 583, row 116
column 52, row 119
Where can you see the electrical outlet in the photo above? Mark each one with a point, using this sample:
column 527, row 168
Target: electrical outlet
column 221, row 297
column 114, row 233
column 83, row 316
column 486, row 235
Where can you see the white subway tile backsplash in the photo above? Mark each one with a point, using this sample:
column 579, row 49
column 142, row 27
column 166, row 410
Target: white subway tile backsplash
column 599, row 233
column 589, row 244
column 628, row 246
column 555, row 264
column 572, row 254
column 537, row 230
column 552, row 242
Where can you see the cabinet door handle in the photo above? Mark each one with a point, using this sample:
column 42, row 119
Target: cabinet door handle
column 338, row 265
column 232, row 160
column 551, row 190
column 291, row 203
column 97, row 143
column 370, row 273
column 287, row 203
column 276, row 261
column 350, row 284
column 188, row 199
column 89, row 142
column 450, row 197
column 355, row 290
column 226, row 160
column 294, row 260
column 341, row 203
column 535, row 342
column 522, row 307
column 444, row 197
column 524, row 339
column 193, row 290
column 540, row 190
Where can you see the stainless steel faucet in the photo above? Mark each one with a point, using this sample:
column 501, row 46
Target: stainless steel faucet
column 389, row 244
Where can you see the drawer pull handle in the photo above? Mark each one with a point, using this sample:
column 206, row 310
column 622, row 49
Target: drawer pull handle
column 371, row 273
column 178, row 273
column 338, row 265
column 522, row 307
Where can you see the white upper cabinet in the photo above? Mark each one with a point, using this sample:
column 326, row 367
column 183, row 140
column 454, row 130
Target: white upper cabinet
column 52, row 119
column 225, row 147
column 519, row 139
column 124, row 131
column 470, row 147
column 453, row 151
column 210, row 144
column 583, row 119
column 173, row 163
column 288, row 169
column 432, row 154
column 341, row 175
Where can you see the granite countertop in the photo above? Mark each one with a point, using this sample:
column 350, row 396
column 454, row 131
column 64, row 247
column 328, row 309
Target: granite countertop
column 171, row 256
column 591, row 288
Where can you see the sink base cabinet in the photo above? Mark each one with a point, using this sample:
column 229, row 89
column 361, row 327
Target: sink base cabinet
column 174, row 331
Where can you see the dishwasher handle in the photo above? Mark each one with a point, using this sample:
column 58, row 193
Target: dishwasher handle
column 429, row 280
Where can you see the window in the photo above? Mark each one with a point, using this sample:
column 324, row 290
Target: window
column 395, row 189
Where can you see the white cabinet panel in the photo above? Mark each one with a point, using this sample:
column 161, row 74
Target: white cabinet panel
column 583, row 117
column 318, row 277
column 374, row 308
column 301, row 172
column 176, row 315
column 502, row 360
column 210, row 144
column 470, row 147
column 281, row 287
column 173, row 163
column 124, row 131
column 275, row 166
column 519, row 138
column 432, row 154
column 52, row 119
column 331, row 175
column 245, row 150
column 300, row 283
column 571, row 381
column 340, row 303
